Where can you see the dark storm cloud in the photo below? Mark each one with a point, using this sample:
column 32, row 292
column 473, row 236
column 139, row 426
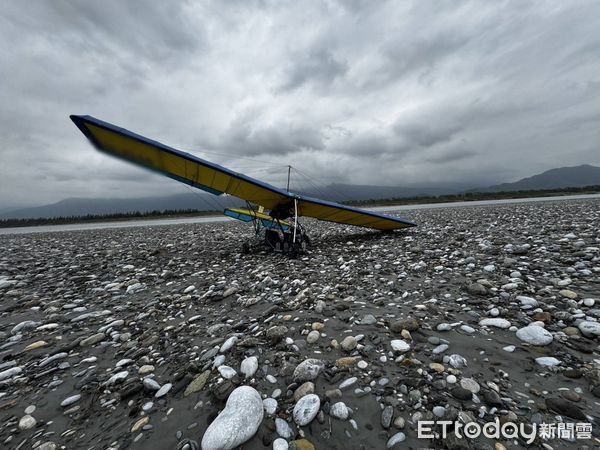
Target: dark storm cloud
column 319, row 67
column 467, row 92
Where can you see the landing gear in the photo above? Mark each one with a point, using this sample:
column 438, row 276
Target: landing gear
column 278, row 241
column 277, row 235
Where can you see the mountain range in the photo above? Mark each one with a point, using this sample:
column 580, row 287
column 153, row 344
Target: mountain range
column 578, row 176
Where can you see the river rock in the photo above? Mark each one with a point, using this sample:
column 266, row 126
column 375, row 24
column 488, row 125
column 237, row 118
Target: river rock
column 535, row 335
column 306, row 409
column 237, row 423
column 589, row 328
column 308, row 370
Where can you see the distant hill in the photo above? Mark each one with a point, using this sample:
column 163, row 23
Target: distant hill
column 99, row 206
column 563, row 177
column 203, row 202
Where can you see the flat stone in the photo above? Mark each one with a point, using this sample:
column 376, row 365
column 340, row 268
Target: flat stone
column 567, row 293
column 93, row 339
column 140, row 424
column 227, row 372
column 386, row 416
column 35, row 345
column 304, row 389
column 197, row 384
column 70, row 400
column 461, row 393
column 495, row 322
column 346, row 362
column 400, row 346
column 164, row 389
column 548, row 361
column 308, row 370
column 470, row 384
column 395, row 439
column 535, row 335
column 301, row 444
column 589, row 328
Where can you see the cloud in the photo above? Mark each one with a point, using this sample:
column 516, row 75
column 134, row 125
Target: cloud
column 463, row 93
column 319, row 67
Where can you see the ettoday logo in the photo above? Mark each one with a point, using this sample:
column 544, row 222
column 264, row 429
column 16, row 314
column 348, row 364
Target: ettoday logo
column 507, row 430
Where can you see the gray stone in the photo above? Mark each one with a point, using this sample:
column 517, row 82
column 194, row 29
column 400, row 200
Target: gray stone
column 306, row 409
column 249, row 366
column 535, row 335
column 283, row 429
column 339, row 410
column 308, row 370
column 396, row 439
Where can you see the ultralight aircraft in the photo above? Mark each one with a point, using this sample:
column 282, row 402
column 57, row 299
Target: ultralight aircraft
column 273, row 211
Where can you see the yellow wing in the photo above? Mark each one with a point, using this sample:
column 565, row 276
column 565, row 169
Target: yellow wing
column 217, row 180
column 176, row 164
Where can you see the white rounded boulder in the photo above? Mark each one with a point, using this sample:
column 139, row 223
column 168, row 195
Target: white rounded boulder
column 237, row 423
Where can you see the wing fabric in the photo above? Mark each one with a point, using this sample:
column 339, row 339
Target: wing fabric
column 217, row 180
column 178, row 165
column 334, row 212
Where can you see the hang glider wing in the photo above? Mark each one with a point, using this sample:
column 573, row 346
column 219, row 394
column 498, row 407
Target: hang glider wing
column 334, row 212
column 218, row 180
column 176, row 164
column 247, row 215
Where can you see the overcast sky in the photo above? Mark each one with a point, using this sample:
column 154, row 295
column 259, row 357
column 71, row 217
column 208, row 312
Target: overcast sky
column 361, row 92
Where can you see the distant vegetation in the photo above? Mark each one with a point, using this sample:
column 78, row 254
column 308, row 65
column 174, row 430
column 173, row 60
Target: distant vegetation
column 4, row 223
column 467, row 196
column 474, row 196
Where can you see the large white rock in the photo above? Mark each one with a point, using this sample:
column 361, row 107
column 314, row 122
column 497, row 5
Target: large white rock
column 237, row 423
column 535, row 335
column 306, row 409
column 495, row 322
column 589, row 328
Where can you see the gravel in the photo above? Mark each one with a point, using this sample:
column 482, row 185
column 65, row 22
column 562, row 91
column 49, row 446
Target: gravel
column 167, row 337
